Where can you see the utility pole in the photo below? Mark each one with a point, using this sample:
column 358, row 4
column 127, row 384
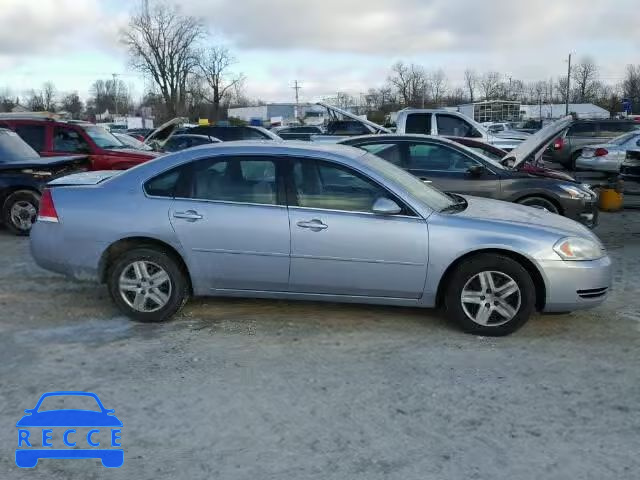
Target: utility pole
column 566, row 110
column 297, row 88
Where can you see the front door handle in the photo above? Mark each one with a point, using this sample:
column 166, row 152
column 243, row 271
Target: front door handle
column 315, row 225
column 426, row 180
column 189, row 215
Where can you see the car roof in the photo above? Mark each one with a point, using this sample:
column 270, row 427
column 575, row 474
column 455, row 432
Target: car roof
column 397, row 136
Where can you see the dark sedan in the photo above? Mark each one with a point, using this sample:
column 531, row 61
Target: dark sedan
column 23, row 174
column 455, row 168
column 183, row 141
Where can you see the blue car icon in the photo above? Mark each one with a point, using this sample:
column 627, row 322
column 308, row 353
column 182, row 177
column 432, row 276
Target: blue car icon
column 70, row 419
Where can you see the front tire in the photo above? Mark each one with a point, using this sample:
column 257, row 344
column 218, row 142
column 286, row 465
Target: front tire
column 20, row 210
column 540, row 202
column 148, row 284
column 490, row 294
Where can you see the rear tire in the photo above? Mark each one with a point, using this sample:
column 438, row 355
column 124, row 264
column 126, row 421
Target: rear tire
column 20, row 210
column 494, row 306
column 148, row 284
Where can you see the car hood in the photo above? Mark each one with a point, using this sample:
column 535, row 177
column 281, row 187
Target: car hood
column 533, row 147
column 163, row 133
column 69, row 418
column 506, row 212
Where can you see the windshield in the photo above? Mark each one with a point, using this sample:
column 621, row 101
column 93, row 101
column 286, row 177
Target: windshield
column 102, row 137
column 14, row 149
column 432, row 197
column 624, row 138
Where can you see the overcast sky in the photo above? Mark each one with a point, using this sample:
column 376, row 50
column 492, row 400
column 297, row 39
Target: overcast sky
column 328, row 45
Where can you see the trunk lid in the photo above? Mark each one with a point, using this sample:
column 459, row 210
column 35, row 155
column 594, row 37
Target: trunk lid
column 84, row 178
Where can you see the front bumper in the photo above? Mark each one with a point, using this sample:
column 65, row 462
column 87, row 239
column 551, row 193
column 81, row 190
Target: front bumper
column 582, row 210
column 576, row 285
column 630, row 173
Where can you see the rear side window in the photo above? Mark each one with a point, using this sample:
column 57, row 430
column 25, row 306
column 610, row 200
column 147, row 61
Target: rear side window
column 418, row 123
column 164, row 185
column 33, row 135
column 582, row 130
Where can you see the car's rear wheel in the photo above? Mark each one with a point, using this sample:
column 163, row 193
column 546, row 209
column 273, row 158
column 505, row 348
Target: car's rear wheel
column 20, row 210
column 490, row 294
column 148, row 284
column 540, row 202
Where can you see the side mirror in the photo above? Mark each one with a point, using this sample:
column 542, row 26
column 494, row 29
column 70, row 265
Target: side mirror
column 385, row 206
column 476, row 170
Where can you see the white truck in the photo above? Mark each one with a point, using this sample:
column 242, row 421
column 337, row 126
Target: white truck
column 453, row 124
column 420, row 121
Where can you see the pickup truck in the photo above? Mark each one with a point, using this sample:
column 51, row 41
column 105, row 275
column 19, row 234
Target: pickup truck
column 23, row 174
column 453, row 124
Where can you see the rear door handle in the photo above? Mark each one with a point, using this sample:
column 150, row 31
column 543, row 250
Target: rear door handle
column 190, row 215
column 315, row 224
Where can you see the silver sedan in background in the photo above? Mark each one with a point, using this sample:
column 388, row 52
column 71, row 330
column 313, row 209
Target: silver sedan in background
column 608, row 157
column 312, row 222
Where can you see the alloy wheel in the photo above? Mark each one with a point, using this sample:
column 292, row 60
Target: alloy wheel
column 145, row 286
column 491, row 298
column 23, row 214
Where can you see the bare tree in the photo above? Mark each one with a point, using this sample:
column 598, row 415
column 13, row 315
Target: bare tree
column 490, row 85
column 49, row 96
column 631, row 86
column 438, row 83
column 585, row 76
column 162, row 44
column 213, row 65
column 471, row 81
column 410, row 82
column 72, row 104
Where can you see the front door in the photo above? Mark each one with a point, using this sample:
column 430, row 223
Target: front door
column 450, row 170
column 339, row 247
column 233, row 224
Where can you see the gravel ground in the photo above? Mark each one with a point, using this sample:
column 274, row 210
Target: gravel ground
column 254, row 389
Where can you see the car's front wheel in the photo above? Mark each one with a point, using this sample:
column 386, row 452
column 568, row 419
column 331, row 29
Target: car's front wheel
column 148, row 284
column 490, row 294
column 540, row 202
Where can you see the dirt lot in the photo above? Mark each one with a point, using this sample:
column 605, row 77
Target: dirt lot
column 268, row 389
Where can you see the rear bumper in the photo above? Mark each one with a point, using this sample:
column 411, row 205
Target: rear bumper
column 576, row 285
column 52, row 251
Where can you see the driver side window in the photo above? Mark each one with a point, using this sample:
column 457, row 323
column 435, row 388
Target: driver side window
column 438, row 158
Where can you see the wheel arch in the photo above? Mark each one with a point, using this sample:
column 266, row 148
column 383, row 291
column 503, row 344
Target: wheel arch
column 529, row 266
column 120, row 246
column 6, row 192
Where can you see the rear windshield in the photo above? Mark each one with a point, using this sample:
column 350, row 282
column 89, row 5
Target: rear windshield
column 14, row 149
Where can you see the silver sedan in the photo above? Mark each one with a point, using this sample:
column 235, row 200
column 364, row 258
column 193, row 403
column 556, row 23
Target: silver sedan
column 313, row 222
column 608, row 157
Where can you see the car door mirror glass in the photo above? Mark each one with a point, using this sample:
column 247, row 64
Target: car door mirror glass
column 385, row 206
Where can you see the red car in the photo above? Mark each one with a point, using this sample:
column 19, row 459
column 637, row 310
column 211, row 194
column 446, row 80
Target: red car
column 50, row 138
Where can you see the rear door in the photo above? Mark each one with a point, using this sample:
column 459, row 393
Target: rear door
column 340, row 247
column 232, row 222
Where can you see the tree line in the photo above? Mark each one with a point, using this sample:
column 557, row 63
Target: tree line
column 192, row 76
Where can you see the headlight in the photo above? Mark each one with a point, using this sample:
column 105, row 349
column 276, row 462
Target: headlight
column 575, row 191
column 576, row 248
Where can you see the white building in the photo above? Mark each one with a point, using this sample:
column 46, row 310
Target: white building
column 558, row 110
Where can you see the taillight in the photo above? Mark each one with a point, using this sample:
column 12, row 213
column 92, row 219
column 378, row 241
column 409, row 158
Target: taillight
column 601, row 152
column 47, row 211
column 558, row 144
